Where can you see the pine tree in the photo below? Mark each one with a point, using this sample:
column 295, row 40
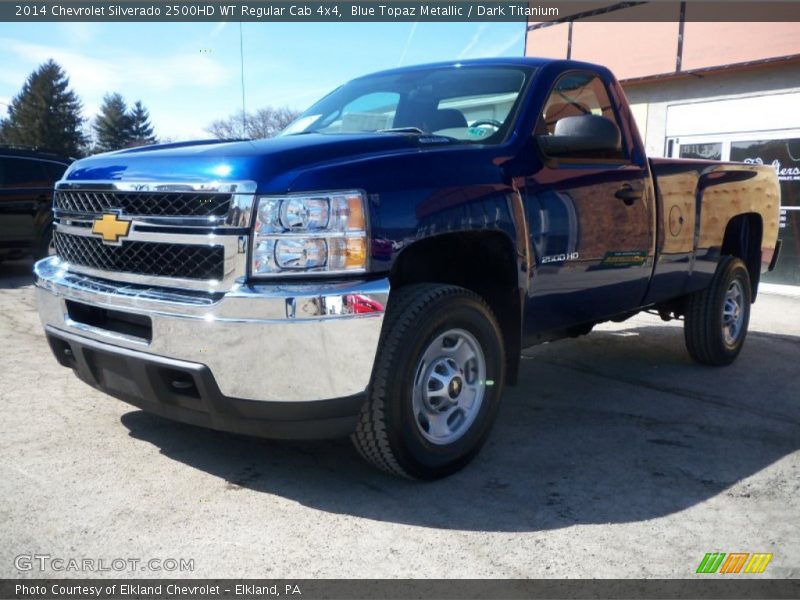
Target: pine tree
column 46, row 114
column 112, row 127
column 141, row 128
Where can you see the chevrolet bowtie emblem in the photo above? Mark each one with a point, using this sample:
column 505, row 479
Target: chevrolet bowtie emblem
column 111, row 228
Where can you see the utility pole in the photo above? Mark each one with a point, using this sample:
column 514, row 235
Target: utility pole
column 241, row 58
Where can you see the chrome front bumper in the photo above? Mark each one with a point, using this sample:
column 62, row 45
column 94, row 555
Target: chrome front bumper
column 279, row 343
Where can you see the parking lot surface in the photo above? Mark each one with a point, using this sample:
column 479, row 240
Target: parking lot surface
column 614, row 456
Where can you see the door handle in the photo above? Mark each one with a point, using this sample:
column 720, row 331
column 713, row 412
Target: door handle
column 627, row 194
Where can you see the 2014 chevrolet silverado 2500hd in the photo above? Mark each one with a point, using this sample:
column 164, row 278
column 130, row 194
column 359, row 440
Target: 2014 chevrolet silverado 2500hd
column 375, row 270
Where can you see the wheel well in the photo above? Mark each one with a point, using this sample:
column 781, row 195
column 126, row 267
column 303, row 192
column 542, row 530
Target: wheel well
column 484, row 262
column 743, row 239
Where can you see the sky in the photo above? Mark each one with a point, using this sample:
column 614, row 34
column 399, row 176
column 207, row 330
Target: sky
column 189, row 74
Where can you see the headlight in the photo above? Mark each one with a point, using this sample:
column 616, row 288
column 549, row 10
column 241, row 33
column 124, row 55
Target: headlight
column 317, row 233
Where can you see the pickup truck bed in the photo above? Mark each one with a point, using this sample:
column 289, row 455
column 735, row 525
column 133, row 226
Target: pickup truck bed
column 702, row 206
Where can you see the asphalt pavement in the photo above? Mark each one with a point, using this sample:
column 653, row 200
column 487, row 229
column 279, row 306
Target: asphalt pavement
column 614, row 456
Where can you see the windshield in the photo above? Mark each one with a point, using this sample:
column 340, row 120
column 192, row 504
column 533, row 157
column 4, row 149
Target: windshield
column 468, row 104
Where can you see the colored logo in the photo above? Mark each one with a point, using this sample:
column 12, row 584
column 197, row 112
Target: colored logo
column 111, row 228
column 626, row 258
column 733, row 563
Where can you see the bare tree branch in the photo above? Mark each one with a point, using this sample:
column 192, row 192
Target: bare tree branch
column 264, row 123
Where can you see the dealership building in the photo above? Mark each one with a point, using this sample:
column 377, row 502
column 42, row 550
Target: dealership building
column 716, row 90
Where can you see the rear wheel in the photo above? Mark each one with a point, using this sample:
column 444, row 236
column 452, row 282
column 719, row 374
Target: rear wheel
column 717, row 317
column 436, row 385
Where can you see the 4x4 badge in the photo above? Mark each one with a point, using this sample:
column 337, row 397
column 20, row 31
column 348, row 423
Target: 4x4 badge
column 111, row 228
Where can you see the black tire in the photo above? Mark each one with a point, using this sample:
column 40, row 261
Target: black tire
column 707, row 339
column 43, row 241
column 388, row 434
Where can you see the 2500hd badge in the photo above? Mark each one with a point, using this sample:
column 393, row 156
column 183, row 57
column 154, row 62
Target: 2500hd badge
column 554, row 258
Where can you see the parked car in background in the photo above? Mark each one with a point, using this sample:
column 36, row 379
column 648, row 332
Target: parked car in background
column 27, row 178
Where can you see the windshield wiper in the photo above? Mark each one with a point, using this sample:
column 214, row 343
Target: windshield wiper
column 424, row 136
column 401, row 130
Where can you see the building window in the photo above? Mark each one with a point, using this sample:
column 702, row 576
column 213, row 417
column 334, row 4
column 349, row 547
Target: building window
column 710, row 151
column 783, row 155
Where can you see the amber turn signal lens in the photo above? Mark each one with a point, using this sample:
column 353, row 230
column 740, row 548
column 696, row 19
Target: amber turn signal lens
column 356, row 253
column 355, row 207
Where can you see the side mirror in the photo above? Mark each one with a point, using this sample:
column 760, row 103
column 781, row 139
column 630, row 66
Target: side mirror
column 582, row 135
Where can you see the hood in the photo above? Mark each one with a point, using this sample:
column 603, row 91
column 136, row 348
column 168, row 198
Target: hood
column 272, row 163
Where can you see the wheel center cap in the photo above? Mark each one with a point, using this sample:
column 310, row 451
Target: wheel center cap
column 454, row 389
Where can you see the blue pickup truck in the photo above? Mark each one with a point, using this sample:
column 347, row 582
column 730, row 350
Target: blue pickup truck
column 376, row 269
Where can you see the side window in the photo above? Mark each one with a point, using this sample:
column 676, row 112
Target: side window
column 23, row 173
column 577, row 95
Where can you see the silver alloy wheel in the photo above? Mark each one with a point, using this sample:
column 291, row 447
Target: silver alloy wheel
column 733, row 313
column 449, row 386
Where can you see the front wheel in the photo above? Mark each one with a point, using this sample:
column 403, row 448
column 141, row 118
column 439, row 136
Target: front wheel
column 717, row 317
column 436, row 384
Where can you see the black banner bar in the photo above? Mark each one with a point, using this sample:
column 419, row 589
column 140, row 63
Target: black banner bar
column 540, row 12
column 731, row 587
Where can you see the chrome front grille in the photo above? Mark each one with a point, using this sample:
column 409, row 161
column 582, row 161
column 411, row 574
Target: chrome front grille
column 186, row 261
column 157, row 204
column 181, row 235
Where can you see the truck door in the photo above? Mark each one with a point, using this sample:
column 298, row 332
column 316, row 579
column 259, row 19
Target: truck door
column 590, row 217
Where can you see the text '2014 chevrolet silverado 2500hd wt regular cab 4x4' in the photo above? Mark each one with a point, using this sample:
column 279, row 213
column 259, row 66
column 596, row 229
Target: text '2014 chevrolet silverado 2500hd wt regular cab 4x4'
column 375, row 270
